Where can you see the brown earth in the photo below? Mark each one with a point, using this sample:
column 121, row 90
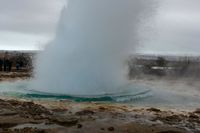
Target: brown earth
column 21, row 116
column 13, row 76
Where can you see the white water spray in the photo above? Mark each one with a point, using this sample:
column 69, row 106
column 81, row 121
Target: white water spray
column 93, row 40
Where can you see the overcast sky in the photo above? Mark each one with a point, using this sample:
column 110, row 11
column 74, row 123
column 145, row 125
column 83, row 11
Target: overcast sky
column 30, row 24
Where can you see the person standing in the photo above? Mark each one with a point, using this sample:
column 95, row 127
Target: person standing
column 9, row 65
column 1, row 64
column 5, row 61
column 4, row 64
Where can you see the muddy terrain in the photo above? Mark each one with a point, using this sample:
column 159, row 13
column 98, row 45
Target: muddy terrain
column 22, row 116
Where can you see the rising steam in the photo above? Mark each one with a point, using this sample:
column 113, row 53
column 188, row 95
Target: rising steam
column 94, row 38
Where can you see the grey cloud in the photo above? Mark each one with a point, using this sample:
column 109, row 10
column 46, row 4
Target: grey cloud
column 176, row 28
column 32, row 16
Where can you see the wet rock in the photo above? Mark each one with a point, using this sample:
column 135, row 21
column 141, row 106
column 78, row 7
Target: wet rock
column 193, row 116
column 60, row 110
column 25, row 130
column 29, row 109
column 102, row 108
column 4, row 104
column 1, row 101
column 154, row 110
column 7, row 112
column 14, row 102
column 35, row 109
column 84, row 112
column 79, row 126
column 7, row 125
column 169, row 132
column 65, row 121
column 111, row 129
column 171, row 119
column 197, row 111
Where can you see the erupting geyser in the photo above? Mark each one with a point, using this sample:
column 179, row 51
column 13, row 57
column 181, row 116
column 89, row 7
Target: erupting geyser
column 93, row 40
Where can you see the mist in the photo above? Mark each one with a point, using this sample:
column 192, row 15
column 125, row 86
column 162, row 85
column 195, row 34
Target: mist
column 93, row 40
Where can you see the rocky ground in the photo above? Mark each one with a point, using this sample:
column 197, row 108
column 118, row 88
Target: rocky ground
column 12, row 76
column 21, row 116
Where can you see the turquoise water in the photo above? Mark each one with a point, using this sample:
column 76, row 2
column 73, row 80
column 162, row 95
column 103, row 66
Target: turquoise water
column 134, row 94
column 127, row 94
column 106, row 97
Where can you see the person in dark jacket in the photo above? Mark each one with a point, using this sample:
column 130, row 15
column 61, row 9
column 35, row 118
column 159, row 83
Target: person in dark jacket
column 17, row 66
column 5, row 64
column 9, row 65
column 1, row 64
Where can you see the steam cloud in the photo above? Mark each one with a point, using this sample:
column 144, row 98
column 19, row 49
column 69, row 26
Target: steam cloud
column 93, row 40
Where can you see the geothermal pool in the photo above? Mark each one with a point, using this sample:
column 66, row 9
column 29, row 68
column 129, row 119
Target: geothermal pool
column 142, row 94
column 21, row 89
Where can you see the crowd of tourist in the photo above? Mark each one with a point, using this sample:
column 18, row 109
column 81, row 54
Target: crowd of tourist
column 7, row 65
column 14, row 62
